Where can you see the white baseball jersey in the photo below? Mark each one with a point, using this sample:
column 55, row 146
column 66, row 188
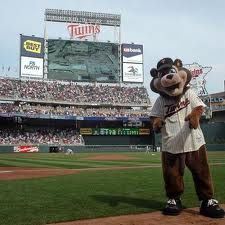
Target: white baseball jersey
column 177, row 137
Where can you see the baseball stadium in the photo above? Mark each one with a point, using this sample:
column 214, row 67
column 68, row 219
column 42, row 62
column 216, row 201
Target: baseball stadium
column 76, row 140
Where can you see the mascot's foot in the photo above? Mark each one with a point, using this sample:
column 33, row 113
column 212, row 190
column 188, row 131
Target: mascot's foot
column 210, row 208
column 173, row 207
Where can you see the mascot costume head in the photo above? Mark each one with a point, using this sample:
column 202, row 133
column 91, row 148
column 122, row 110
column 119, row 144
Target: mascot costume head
column 170, row 79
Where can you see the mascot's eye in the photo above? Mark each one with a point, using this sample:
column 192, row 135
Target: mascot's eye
column 167, row 71
column 172, row 70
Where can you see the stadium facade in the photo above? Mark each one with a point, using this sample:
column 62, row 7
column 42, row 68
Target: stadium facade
column 78, row 90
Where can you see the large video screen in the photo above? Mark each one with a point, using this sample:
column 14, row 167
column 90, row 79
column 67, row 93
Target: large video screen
column 83, row 61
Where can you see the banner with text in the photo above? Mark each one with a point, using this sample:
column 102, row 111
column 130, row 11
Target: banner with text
column 31, row 56
column 31, row 67
column 115, row 131
column 133, row 73
column 26, row 148
column 31, row 46
column 132, row 53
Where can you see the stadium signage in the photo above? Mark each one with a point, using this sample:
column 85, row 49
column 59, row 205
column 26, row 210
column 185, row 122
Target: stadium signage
column 26, row 148
column 196, row 72
column 81, row 31
column 114, row 131
column 86, row 131
column 213, row 100
column 144, row 131
column 32, row 46
column 132, row 53
column 31, row 67
column 138, row 50
column 133, row 72
column 31, row 56
column 199, row 73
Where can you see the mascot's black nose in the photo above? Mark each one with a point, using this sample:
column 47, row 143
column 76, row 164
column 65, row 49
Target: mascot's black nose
column 170, row 76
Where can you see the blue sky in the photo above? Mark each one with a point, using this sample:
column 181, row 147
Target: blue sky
column 193, row 31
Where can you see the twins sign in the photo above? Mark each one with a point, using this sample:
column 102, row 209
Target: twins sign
column 81, row 31
column 199, row 73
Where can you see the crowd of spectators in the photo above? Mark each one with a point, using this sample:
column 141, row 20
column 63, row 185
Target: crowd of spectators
column 72, row 92
column 73, row 110
column 40, row 136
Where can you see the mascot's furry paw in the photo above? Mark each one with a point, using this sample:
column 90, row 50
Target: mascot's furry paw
column 194, row 117
column 193, row 121
column 158, row 123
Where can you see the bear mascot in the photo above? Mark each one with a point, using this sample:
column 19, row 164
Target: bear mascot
column 176, row 114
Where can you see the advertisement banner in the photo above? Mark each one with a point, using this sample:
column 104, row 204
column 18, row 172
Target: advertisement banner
column 31, row 67
column 32, row 46
column 132, row 53
column 144, row 131
column 86, row 131
column 115, row 131
column 133, row 73
column 26, row 148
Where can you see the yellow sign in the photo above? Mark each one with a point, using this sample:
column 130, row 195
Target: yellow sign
column 32, row 46
column 86, row 131
column 144, row 131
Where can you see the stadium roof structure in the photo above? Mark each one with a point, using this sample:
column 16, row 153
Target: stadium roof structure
column 65, row 16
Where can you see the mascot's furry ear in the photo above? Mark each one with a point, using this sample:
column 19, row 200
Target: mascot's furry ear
column 154, row 72
column 178, row 63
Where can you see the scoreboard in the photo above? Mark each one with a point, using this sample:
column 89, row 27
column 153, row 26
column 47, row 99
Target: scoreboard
column 83, row 60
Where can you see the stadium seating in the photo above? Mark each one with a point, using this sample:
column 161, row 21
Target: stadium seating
column 39, row 136
column 29, row 109
column 72, row 92
column 31, row 105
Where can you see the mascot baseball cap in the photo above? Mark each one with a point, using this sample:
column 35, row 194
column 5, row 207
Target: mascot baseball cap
column 164, row 63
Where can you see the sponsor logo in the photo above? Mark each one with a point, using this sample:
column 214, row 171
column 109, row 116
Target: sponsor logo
column 85, row 131
column 196, row 72
column 144, row 131
column 132, row 70
column 82, row 31
column 136, row 50
column 32, row 46
column 26, row 149
column 31, row 66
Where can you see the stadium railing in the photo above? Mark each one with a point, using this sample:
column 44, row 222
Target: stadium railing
column 87, row 148
column 73, row 103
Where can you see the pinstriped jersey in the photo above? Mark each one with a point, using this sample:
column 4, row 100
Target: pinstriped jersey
column 177, row 137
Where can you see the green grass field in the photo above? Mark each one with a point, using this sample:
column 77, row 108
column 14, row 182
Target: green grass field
column 92, row 194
